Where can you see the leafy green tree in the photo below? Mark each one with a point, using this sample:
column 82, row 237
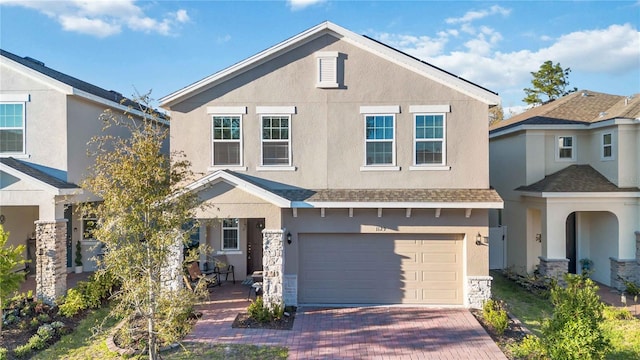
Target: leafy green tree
column 141, row 218
column 496, row 114
column 10, row 257
column 551, row 80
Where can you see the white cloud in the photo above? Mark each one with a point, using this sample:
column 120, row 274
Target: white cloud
column 103, row 18
column 479, row 14
column 301, row 4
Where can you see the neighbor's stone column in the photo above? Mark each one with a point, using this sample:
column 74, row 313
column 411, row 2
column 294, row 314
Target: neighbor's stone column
column 478, row 290
column 51, row 259
column 171, row 275
column 623, row 270
column 638, row 257
column 554, row 268
column 272, row 267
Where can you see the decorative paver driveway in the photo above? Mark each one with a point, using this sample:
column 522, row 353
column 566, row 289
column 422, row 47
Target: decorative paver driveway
column 352, row 333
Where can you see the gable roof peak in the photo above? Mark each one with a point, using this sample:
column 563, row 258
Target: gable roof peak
column 373, row 46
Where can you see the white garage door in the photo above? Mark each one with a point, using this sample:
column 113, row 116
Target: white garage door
column 380, row 269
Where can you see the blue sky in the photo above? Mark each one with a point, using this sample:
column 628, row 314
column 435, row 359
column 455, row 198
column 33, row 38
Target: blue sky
column 163, row 46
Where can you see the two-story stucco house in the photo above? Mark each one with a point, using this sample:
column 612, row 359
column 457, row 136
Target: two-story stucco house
column 349, row 172
column 46, row 120
column 569, row 173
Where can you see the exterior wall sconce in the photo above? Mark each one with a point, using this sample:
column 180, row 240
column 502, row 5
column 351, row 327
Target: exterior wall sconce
column 260, row 225
column 480, row 240
column 539, row 238
column 289, row 238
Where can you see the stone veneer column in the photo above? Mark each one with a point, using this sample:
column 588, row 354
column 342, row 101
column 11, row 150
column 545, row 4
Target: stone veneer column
column 478, row 290
column 171, row 275
column 554, row 268
column 623, row 269
column 51, row 259
column 272, row 267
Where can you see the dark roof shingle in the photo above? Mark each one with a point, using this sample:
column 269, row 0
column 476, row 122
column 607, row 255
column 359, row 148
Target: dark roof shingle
column 40, row 175
column 575, row 178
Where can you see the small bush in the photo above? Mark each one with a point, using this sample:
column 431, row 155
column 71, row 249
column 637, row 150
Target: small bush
column 612, row 313
column 495, row 314
column 4, row 353
column 258, row 311
column 72, row 304
column 530, row 348
column 631, row 288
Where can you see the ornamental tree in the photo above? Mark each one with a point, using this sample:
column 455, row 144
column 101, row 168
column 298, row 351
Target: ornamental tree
column 10, row 280
column 141, row 217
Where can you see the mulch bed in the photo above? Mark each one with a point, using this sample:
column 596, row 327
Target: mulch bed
column 514, row 333
column 244, row 321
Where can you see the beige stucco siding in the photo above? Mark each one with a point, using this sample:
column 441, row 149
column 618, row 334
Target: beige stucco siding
column 328, row 124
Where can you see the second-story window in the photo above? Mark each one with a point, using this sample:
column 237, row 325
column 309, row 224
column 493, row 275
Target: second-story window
column 429, row 139
column 566, row 147
column 276, row 140
column 12, row 128
column 379, row 139
column 607, row 146
column 227, row 134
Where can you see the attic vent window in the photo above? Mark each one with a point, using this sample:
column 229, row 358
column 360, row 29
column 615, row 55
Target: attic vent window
column 327, row 69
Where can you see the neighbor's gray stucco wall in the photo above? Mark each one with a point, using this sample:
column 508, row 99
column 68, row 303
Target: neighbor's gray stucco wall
column 328, row 129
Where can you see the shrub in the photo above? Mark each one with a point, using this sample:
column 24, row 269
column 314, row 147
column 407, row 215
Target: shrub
column 495, row 314
column 72, row 304
column 612, row 313
column 631, row 288
column 529, row 348
column 4, row 353
column 258, row 311
column 574, row 332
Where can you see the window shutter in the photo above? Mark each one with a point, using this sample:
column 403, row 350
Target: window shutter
column 327, row 70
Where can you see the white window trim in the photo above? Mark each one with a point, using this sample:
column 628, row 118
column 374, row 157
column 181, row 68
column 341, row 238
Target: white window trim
column 380, row 167
column 222, row 229
column 283, row 167
column 602, row 145
column 573, row 148
column 329, row 56
column 23, row 153
column 443, row 164
column 380, row 110
column 226, row 110
column 234, row 166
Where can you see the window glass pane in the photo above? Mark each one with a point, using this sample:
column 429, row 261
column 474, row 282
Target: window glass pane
column 379, row 153
column 275, row 153
column 11, row 141
column 606, row 139
column 11, row 115
column 429, row 127
column 230, row 239
column 226, row 153
column 88, row 227
column 566, row 141
column 428, row 152
column 379, row 127
column 565, row 153
column 607, row 151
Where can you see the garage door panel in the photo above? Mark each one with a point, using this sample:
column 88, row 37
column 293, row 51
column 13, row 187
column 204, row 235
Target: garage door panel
column 380, row 269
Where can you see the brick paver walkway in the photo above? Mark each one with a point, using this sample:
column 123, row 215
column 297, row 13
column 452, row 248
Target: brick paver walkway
column 352, row 333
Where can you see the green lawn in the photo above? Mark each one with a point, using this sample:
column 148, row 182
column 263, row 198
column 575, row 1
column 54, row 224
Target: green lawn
column 531, row 310
column 87, row 342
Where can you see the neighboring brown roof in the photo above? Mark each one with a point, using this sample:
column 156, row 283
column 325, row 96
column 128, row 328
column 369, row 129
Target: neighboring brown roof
column 391, row 195
column 580, row 107
column 575, row 178
column 31, row 171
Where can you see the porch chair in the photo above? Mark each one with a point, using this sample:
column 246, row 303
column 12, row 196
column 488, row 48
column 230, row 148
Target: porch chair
column 194, row 277
column 222, row 267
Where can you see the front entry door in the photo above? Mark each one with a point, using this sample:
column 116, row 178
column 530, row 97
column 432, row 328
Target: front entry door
column 254, row 245
column 571, row 242
column 68, row 215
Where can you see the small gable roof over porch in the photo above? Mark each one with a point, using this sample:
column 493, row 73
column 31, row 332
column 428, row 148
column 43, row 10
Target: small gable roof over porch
column 575, row 179
column 38, row 178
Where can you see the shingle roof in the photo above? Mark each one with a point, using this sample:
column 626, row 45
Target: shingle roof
column 37, row 174
column 391, row 195
column 39, row 66
column 575, row 178
column 581, row 107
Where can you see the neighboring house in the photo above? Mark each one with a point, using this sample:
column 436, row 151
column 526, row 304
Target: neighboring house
column 350, row 172
column 46, row 120
column 569, row 173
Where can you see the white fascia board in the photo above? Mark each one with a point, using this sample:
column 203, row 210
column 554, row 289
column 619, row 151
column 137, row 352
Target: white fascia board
column 250, row 188
column 360, row 41
column 37, row 76
column 117, row 105
column 398, row 205
column 244, row 65
column 607, row 195
column 41, row 184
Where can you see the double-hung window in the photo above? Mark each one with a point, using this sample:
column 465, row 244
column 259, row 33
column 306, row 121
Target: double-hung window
column 380, row 140
column 565, row 148
column 429, row 139
column 227, row 143
column 12, row 128
column 607, row 146
column 230, row 234
column 276, row 140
